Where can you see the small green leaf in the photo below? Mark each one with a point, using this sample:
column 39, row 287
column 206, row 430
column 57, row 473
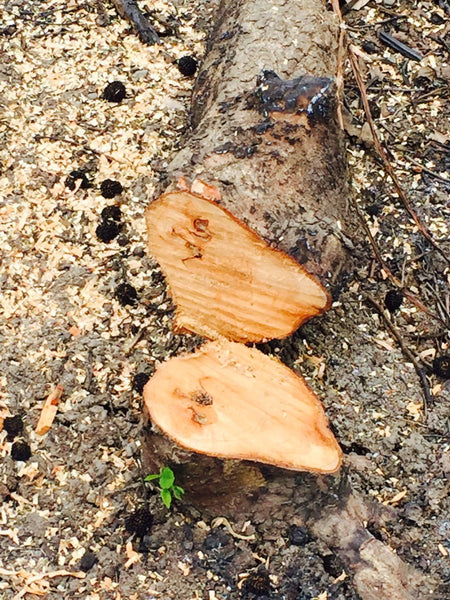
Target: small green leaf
column 166, row 497
column 151, row 477
column 177, row 492
column 166, row 478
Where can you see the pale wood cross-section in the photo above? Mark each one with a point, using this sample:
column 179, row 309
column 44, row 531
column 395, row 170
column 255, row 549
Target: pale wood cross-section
column 224, row 279
column 231, row 401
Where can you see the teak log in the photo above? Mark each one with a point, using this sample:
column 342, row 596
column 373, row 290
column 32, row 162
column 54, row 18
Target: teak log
column 254, row 208
column 266, row 150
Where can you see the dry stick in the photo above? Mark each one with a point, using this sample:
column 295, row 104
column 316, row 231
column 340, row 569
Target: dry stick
column 382, row 153
column 340, row 63
column 130, row 11
column 340, row 70
column 426, row 170
column 407, row 352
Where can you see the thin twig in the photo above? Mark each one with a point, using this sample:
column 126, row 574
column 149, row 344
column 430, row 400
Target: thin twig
column 340, row 64
column 426, row 170
column 399, row 46
column 407, row 353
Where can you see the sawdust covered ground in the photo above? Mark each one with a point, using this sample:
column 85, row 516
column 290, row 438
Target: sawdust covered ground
column 64, row 320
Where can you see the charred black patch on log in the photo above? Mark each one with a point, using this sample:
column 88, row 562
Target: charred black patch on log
column 313, row 96
column 263, row 127
column 238, row 151
column 224, row 107
column 301, row 251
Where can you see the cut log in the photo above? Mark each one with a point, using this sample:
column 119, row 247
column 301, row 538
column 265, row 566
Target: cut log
column 271, row 154
column 230, row 401
column 265, row 158
column 224, row 280
column 265, row 141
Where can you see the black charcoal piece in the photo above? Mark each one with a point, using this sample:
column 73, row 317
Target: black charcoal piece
column 13, row 426
column 114, row 92
column 111, row 213
column 107, row 231
column 187, row 65
column 126, row 294
column 139, row 522
column 74, row 176
column 111, row 188
column 20, row 450
column 258, row 582
column 374, row 209
column 441, row 367
column 87, row 561
column 369, row 47
column 393, row 300
column 139, row 380
column 298, row 536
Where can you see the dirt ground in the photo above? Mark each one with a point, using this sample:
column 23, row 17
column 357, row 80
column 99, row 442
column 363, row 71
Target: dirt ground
column 64, row 317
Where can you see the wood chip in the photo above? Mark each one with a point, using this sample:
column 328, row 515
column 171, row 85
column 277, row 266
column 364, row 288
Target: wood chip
column 133, row 556
column 396, row 498
column 49, row 410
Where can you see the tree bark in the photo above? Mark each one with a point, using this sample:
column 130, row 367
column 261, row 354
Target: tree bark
column 268, row 144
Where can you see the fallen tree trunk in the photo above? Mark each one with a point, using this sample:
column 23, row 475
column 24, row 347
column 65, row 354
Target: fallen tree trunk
column 265, row 152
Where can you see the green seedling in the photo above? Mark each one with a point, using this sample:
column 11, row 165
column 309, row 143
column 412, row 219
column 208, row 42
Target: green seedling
column 167, row 487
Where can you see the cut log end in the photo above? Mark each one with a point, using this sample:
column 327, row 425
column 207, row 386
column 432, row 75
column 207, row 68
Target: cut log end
column 231, row 401
column 223, row 278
